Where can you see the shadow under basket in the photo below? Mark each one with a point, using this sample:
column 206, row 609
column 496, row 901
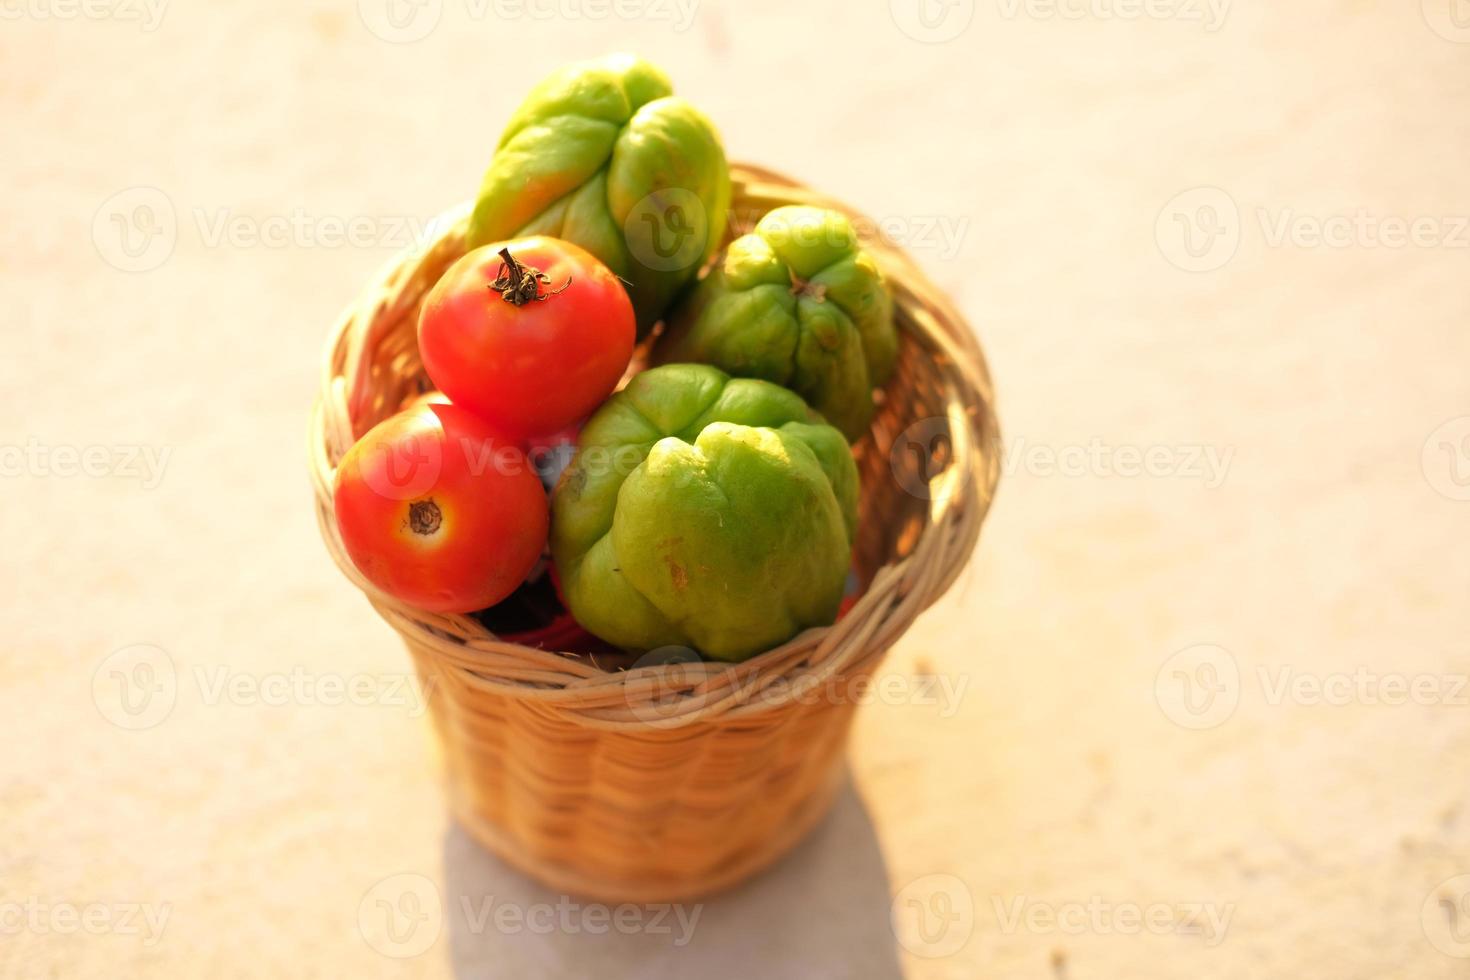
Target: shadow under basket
column 664, row 783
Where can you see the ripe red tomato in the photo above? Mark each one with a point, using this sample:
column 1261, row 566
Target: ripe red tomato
column 435, row 508
column 531, row 334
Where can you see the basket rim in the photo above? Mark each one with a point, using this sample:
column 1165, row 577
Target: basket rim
column 652, row 697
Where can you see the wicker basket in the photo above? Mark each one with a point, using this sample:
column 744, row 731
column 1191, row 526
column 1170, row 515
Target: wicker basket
column 662, row 783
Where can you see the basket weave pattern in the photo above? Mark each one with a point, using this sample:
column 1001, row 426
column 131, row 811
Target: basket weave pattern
column 664, row 783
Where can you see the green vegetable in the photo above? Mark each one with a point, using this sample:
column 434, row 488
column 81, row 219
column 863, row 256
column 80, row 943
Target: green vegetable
column 603, row 155
column 799, row 303
column 705, row 512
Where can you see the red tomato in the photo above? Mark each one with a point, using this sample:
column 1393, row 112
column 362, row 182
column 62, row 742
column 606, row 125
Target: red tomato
column 531, row 334
column 438, row 510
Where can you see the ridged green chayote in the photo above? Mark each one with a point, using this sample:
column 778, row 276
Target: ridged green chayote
column 705, row 511
column 602, row 154
column 799, row 303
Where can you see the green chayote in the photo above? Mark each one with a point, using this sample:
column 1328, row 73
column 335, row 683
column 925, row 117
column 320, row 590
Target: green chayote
column 705, row 511
column 603, row 155
column 799, row 303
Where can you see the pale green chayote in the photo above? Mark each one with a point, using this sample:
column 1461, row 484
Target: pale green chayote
column 705, row 511
column 797, row 302
column 603, row 155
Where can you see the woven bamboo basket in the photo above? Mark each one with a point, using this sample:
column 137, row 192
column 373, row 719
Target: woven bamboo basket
column 664, row 783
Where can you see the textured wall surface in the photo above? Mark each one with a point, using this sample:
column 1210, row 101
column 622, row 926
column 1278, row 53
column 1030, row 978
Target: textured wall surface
column 1197, row 709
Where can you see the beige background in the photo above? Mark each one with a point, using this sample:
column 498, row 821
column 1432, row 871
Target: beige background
column 1034, row 164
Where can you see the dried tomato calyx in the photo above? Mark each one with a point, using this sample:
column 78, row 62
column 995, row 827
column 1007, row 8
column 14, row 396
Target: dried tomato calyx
column 424, row 517
column 520, row 284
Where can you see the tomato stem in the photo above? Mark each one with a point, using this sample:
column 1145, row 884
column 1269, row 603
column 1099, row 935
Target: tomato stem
column 520, row 284
column 424, row 517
